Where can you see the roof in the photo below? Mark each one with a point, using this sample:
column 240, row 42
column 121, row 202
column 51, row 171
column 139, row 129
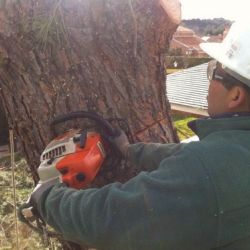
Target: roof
column 183, row 31
column 215, row 39
column 186, row 39
column 192, row 41
column 188, row 88
column 205, row 38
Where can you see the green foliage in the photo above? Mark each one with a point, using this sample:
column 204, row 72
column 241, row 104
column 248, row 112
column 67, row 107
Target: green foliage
column 207, row 26
column 180, row 123
column 175, row 52
column 214, row 31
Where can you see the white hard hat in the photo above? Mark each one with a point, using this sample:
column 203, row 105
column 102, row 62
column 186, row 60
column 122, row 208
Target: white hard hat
column 234, row 52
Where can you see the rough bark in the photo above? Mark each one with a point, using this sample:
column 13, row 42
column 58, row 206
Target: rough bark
column 106, row 56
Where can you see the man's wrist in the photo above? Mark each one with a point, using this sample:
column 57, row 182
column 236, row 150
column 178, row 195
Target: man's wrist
column 40, row 189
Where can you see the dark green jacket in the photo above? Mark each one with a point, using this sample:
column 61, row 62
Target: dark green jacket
column 194, row 196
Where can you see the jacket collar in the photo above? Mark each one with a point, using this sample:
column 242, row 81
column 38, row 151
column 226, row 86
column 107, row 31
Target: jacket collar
column 227, row 121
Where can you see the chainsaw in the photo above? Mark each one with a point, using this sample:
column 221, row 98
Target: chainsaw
column 77, row 154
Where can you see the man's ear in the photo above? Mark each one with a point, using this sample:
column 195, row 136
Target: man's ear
column 237, row 98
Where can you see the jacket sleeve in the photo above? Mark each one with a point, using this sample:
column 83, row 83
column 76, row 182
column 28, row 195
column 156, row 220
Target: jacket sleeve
column 147, row 156
column 172, row 207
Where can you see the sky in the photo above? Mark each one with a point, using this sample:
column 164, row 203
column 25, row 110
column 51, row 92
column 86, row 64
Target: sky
column 206, row 9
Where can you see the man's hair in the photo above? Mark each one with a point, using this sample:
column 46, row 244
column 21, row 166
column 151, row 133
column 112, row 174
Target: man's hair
column 228, row 80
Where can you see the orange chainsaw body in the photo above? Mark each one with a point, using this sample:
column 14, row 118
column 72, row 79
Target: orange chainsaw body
column 78, row 164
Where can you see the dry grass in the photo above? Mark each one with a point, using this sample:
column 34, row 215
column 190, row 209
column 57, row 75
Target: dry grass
column 24, row 238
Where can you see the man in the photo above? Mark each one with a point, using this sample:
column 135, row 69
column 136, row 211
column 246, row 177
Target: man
column 194, row 196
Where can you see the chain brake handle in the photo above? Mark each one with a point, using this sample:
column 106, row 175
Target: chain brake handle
column 86, row 115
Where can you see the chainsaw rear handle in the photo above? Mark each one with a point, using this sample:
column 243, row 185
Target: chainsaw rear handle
column 88, row 115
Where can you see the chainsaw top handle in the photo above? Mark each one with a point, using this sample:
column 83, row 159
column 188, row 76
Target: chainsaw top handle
column 85, row 114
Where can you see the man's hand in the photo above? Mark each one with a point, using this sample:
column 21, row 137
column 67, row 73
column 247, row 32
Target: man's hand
column 28, row 211
column 49, row 176
column 121, row 142
column 40, row 188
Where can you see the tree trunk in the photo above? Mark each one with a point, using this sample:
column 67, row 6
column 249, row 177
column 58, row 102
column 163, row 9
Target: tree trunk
column 105, row 56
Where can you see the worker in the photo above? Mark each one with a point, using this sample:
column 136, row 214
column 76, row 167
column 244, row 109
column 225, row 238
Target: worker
column 193, row 196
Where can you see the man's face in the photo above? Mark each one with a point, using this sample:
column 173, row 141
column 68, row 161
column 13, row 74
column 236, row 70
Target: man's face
column 217, row 98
